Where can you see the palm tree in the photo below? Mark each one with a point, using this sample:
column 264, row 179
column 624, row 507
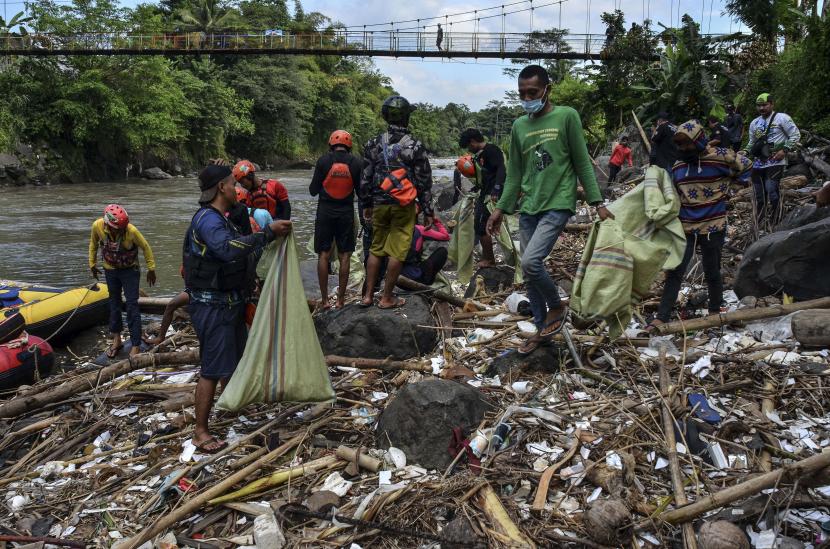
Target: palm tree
column 207, row 16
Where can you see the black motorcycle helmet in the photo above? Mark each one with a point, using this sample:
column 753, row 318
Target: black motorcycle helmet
column 396, row 110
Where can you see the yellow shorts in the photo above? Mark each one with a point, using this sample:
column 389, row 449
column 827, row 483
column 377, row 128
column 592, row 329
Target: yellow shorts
column 392, row 228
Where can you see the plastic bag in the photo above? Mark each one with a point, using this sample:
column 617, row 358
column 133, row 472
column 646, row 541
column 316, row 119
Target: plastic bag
column 283, row 360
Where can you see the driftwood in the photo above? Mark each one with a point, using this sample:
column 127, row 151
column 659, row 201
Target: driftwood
column 544, row 483
column 91, row 380
column 817, row 163
column 759, row 313
column 812, row 328
column 689, row 540
column 377, row 364
column 43, row 539
column 722, row 498
column 412, row 286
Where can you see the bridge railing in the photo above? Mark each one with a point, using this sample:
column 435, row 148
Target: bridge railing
column 356, row 41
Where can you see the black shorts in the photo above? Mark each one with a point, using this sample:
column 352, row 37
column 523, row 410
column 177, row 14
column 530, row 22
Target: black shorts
column 334, row 224
column 481, row 215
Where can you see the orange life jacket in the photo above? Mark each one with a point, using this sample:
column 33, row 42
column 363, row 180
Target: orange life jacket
column 254, row 225
column 338, row 182
column 267, row 196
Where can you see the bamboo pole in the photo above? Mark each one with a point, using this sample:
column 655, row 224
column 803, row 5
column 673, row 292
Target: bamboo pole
column 689, row 540
column 91, row 380
column 722, row 498
column 377, row 364
column 767, row 406
column 645, row 139
column 759, row 313
column 411, row 285
column 217, row 490
column 497, row 516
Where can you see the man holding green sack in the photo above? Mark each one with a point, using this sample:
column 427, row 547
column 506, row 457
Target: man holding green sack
column 217, row 263
column 547, row 155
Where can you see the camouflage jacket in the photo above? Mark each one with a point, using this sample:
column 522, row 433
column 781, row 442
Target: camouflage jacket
column 403, row 151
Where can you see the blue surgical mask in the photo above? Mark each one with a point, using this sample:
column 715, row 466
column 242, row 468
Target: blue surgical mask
column 533, row 106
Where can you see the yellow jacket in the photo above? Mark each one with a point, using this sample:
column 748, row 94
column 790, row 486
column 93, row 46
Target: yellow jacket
column 121, row 253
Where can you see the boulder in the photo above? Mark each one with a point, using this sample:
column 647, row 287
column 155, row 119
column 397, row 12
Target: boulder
column 9, row 161
column 789, row 261
column 443, row 194
column 370, row 332
column 545, row 359
column 802, row 215
column 155, row 173
column 496, row 279
column 420, row 418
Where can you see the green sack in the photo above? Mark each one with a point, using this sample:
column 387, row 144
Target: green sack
column 463, row 239
column 283, row 360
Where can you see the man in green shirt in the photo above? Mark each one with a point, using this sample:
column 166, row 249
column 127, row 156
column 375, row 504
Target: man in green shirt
column 547, row 156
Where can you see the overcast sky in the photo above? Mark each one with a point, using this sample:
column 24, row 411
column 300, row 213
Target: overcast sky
column 477, row 82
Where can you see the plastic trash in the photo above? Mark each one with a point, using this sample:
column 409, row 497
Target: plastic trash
column 267, row 532
column 702, row 410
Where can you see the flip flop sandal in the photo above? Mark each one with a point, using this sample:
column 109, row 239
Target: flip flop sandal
column 560, row 319
column 112, row 352
column 201, row 447
column 532, row 344
column 398, row 304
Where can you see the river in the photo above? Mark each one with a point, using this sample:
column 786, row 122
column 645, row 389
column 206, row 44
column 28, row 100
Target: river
column 44, row 231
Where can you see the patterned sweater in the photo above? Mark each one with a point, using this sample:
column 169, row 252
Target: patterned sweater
column 703, row 183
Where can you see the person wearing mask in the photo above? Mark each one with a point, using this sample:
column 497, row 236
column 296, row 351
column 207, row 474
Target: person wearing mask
column 269, row 194
column 548, row 157
column 620, row 154
column 663, row 151
column 718, row 133
column 735, row 124
column 771, row 136
column 396, row 173
column 218, row 261
column 702, row 177
column 119, row 242
column 490, row 173
column 335, row 176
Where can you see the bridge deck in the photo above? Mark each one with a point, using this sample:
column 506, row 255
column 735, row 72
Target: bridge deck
column 333, row 42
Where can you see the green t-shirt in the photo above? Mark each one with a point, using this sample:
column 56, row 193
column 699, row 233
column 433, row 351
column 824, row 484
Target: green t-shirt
column 547, row 155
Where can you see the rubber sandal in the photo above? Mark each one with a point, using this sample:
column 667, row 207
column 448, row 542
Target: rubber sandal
column 364, row 305
column 533, row 343
column 398, row 304
column 201, row 447
column 112, row 352
column 560, row 319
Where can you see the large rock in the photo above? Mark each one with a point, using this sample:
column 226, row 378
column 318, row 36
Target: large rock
column 9, row 161
column 795, row 262
column 802, row 215
column 421, row 417
column 443, row 193
column 156, row 173
column 374, row 333
column 545, row 359
column 496, row 279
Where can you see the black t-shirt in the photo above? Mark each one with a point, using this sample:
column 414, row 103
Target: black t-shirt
column 663, row 150
column 238, row 215
column 735, row 125
column 321, row 170
column 491, row 159
column 721, row 133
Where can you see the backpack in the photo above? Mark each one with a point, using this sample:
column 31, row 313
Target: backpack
column 338, row 182
column 398, row 181
column 267, row 196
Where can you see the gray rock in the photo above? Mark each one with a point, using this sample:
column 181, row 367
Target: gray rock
column 443, row 193
column 802, row 215
column 374, row 333
column 9, row 161
column 420, row 418
column 789, row 261
column 24, row 151
column 496, row 279
column 460, row 531
column 544, row 359
column 156, row 173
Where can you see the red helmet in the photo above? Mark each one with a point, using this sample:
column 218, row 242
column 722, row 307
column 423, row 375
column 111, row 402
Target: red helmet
column 242, row 195
column 243, row 169
column 340, row 137
column 466, row 165
column 116, row 217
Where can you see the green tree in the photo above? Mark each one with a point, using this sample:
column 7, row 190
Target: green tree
column 207, row 16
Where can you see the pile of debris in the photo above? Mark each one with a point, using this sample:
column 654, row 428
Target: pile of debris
column 713, row 433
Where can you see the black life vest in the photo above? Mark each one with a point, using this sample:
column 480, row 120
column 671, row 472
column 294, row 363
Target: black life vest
column 202, row 272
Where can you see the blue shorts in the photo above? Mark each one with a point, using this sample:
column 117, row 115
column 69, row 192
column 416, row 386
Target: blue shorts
column 222, row 335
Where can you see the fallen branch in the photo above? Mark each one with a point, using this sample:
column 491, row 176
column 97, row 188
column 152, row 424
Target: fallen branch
column 542, row 491
column 745, row 489
column 44, row 539
column 497, row 516
column 412, row 286
column 377, row 364
column 645, row 139
column 759, row 313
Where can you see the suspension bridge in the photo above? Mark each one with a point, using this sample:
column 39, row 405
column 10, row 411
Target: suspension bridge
column 375, row 43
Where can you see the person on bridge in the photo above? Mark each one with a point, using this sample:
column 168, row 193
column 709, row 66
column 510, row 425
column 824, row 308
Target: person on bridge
column 218, row 261
column 548, row 155
column 269, row 194
column 335, row 176
column 620, row 154
column 119, row 242
column 439, row 38
column 663, row 150
column 489, row 176
column 396, row 173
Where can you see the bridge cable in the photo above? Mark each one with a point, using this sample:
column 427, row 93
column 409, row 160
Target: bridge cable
column 445, row 16
column 486, row 16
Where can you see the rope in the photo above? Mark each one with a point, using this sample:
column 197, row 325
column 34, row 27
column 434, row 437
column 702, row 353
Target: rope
column 486, row 16
column 500, row 6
